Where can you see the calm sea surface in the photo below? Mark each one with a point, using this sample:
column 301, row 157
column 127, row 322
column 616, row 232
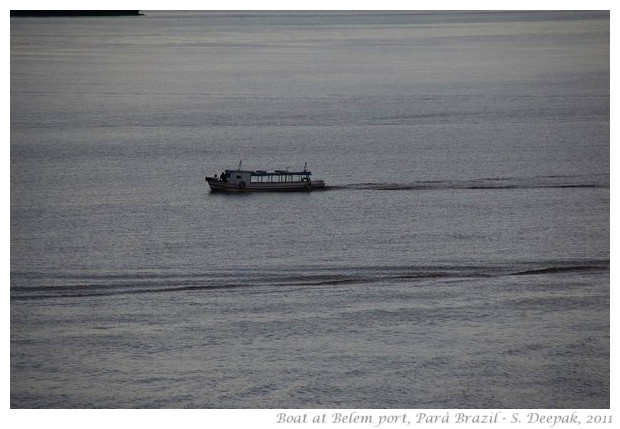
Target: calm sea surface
column 459, row 258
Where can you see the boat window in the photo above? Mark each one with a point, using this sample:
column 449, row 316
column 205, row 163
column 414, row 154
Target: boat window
column 238, row 176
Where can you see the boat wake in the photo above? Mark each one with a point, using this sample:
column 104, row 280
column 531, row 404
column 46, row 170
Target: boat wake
column 597, row 181
column 46, row 286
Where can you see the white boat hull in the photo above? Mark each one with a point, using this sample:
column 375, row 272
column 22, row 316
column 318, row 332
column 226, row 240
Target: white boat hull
column 219, row 186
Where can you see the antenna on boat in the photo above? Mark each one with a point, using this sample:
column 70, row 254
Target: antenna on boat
column 239, row 168
column 305, row 165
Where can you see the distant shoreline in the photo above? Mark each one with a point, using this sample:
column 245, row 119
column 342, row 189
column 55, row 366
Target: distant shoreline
column 58, row 13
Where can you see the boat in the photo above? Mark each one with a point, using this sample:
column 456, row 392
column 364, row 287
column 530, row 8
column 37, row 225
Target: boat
column 263, row 181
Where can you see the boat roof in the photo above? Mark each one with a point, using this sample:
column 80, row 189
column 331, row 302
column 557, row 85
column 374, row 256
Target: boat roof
column 272, row 173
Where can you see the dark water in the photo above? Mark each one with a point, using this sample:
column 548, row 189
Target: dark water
column 459, row 259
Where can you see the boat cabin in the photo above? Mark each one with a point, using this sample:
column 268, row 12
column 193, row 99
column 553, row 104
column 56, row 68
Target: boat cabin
column 236, row 177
